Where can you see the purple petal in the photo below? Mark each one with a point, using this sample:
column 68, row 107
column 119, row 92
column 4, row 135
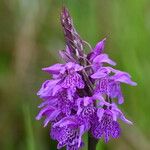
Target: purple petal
column 98, row 75
column 54, row 69
column 44, row 89
column 56, row 88
column 51, row 117
column 69, row 65
column 124, row 78
column 103, row 58
column 80, row 135
column 123, row 118
column 99, row 48
column 107, row 136
column 79, row 105
column 116, row 111
column 50, row 101
column 60, row 145
column 98, row 96
column 79, row 81
column 44, row 111
column 102, row 103
column 78, row 67
column 115, row 132
column 87, row 101
column 48, row 88
column 100, row 113
column 120, row 98
column 66, row 121
column 102, row 72
column 75, row 66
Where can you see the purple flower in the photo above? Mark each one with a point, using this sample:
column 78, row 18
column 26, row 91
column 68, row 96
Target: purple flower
column 49, row 112
column 47, row 89
column 110, row 84
column 106, row 128
column 67, row 75
column 113, row 109
column 68, row 132
column 79, row 97
column 66, row 101
column 66, row 136
column 106, row 125
column 98, row 58
column 86, row 108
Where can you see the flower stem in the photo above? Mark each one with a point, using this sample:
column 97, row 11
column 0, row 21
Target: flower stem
column 92, row 142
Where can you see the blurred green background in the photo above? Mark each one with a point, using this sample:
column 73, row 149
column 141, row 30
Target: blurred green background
column 30, row 37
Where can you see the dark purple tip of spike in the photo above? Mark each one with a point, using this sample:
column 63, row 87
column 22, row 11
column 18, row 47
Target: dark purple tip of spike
column 73, row 40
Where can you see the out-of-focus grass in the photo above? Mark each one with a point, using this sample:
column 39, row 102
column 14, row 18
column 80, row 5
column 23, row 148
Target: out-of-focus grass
column 28, row 128
column 127, row 25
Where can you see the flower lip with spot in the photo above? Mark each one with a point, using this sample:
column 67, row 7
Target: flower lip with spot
column 67, row 75
column 86, row 109
column 110, row 84
column 74, row 123
column 113, row 109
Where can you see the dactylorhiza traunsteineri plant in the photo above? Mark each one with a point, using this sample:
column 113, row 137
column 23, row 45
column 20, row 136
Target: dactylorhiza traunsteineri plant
column 83, row 94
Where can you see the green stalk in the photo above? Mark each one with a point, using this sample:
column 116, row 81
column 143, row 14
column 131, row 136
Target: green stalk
column 92, row 142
